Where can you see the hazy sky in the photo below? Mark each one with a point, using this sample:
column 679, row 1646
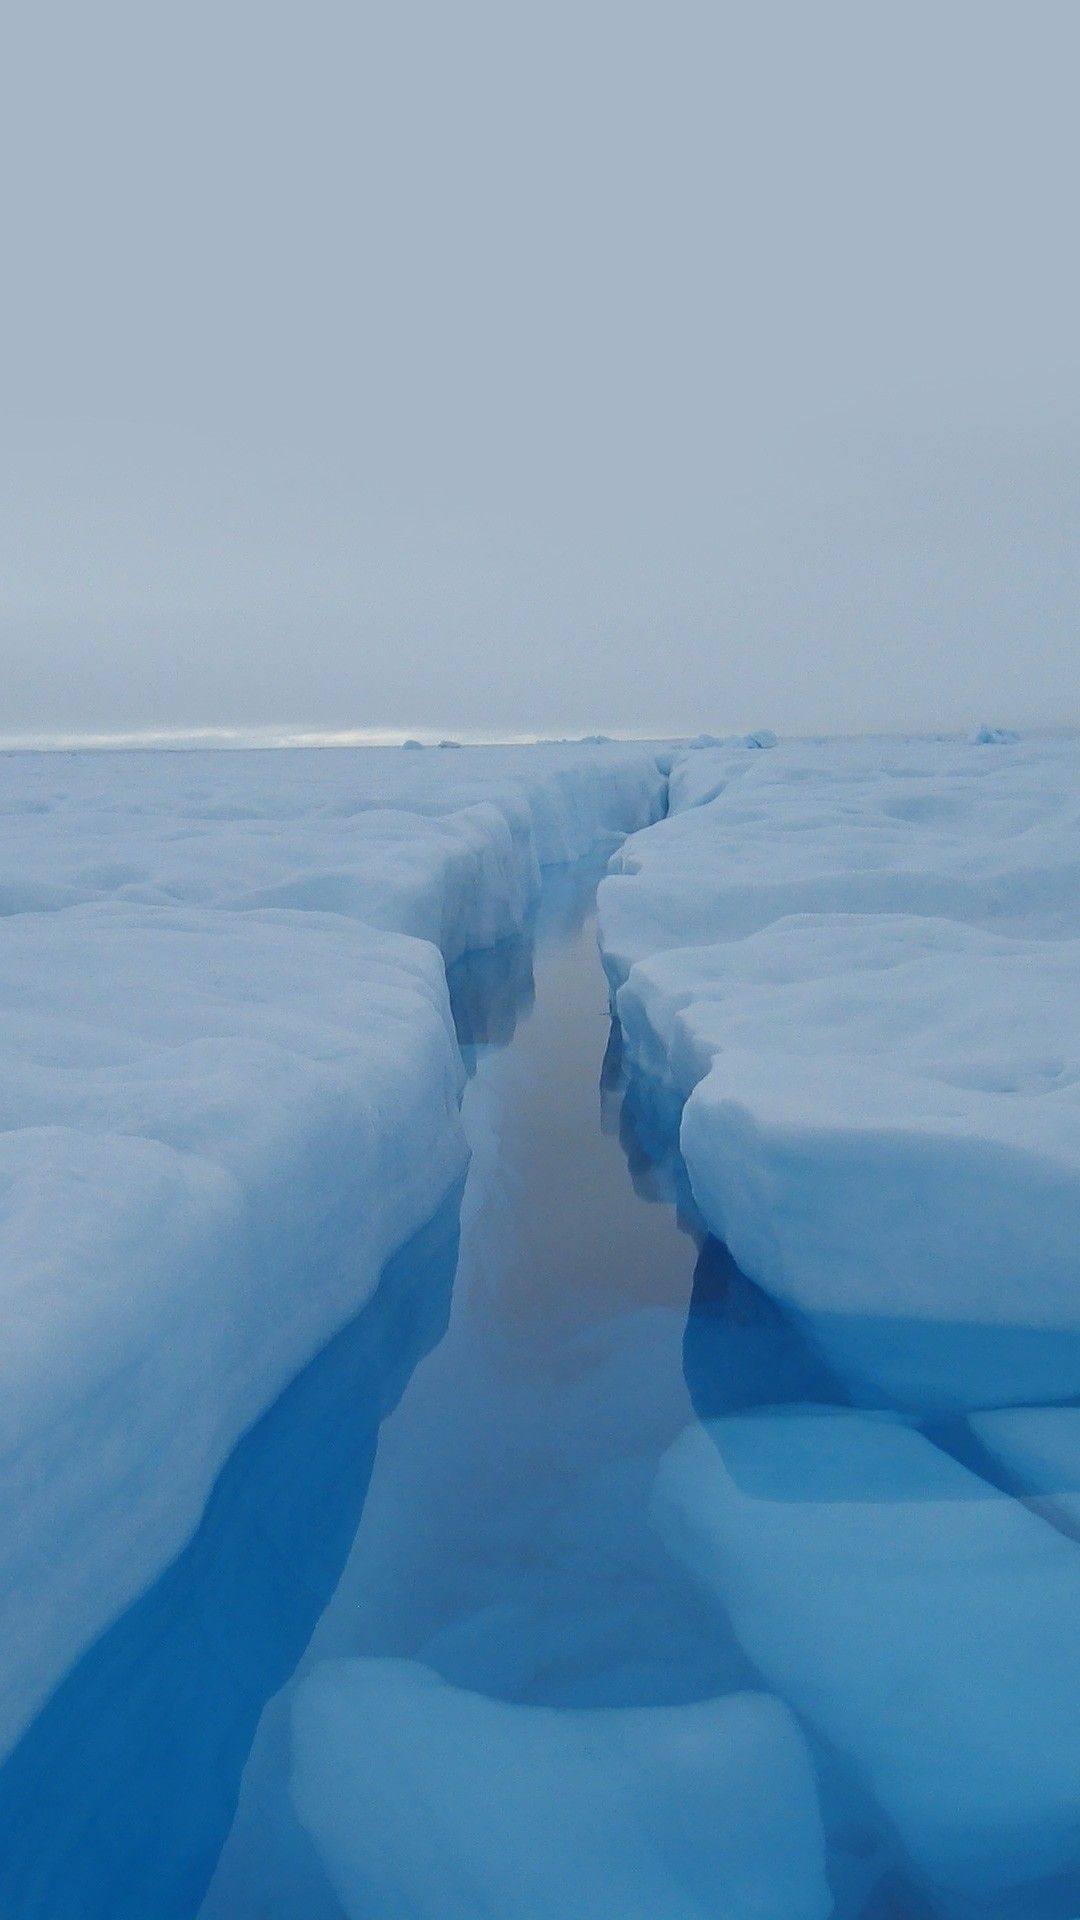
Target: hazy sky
column 548, row 367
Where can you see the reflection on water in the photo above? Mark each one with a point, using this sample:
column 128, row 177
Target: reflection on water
column 645, row 1118
column 490, row 992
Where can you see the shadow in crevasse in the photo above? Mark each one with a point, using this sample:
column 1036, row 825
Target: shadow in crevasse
column 492, row 988
column 743, row 1348
column 740, row 1349
column 117, row 1801
column 568, row 896
column 490, row 991
column 931, row 1371
column 646, row 1116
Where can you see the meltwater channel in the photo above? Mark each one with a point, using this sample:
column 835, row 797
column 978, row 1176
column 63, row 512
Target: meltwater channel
column 462, row 1478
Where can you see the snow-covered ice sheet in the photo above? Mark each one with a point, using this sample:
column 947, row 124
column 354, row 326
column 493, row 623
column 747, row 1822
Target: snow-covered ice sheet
column 425, row 1799
column 987, row 835
column 882, row 1122
column 215, row 1130
column 445, row 846
column 921, row 1621
column 229, row 1093
column 859, row 967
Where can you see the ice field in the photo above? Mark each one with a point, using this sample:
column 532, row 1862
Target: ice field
column 858, row 967
column 221, row 1078
column 497, row 1431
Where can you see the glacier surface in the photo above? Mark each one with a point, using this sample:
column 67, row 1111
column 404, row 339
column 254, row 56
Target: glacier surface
column 849, row 972
column 230, row 1092
column 856, row 969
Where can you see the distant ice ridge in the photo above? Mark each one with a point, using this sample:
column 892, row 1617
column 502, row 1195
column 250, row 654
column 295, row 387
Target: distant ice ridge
column 229, row 1093
column 425, row 1799
column 986, row 736
column 859, row 967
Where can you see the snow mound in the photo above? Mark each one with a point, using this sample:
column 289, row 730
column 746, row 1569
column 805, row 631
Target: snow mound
column 923, row 1623
column 424, row 1799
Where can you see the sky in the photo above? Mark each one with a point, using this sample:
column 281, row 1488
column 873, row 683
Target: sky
column 510, row 369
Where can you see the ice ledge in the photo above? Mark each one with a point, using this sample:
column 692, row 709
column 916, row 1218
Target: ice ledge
column 882, row 1106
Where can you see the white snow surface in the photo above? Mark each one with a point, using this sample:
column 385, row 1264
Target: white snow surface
column 939, row 828
column 923, row 1623
column 453, row 1804
column 229, row 1092
column 445, row 847
column 859, row 968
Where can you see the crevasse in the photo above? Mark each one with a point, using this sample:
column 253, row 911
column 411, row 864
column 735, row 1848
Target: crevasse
column 230, row 1091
